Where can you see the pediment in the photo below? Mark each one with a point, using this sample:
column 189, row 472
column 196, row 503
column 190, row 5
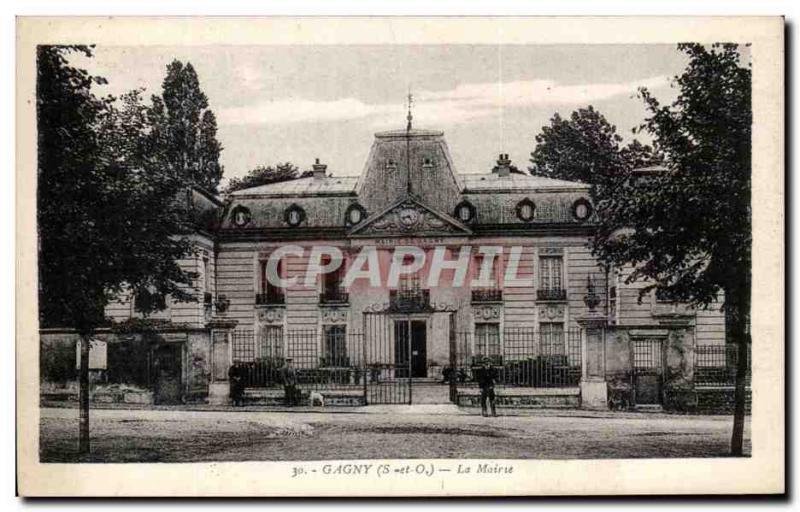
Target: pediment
column 410, row 217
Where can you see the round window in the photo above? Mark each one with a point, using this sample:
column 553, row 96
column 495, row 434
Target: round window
column 465, row 212
column 526, row 210
column 294, row 215
column 581, row 209
column 240, row 216
column 355, row 213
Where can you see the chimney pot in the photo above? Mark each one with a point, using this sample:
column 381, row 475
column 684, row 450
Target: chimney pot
column 319, row 169
column 503, row 165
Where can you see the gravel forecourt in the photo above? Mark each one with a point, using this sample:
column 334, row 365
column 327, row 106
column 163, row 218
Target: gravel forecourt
column 406, row 432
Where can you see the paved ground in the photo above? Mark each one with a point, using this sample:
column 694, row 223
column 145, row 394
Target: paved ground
column 424, row 431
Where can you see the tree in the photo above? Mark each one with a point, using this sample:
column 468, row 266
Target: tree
column 688, row 232
column 106, row 207
column 186, row 128
column 584, row 148
column 262, row 175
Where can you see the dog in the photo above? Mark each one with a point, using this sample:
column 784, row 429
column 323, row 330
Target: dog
column 317, row 399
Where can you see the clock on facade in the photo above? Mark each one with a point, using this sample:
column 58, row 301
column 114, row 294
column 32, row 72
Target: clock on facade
column 409, row 216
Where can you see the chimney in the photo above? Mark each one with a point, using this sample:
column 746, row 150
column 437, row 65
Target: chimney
column 503, row 165
column 319, row 170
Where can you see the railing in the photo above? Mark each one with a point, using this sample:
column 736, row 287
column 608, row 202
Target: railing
column 320, row 362
column 409, row 301
column 487, row 295
column 715, row 365
column 523, row 358
column 551, row 294
column 335, row 296
column 269, row 299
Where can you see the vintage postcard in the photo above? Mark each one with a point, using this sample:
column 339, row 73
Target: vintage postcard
column 400, row 256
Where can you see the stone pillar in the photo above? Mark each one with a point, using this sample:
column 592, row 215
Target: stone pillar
column 219, row 388
column 594, row 390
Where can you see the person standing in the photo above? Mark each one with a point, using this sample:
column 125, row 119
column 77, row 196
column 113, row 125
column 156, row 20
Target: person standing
column 289, row 378
column 236, row 379
column 486, row 375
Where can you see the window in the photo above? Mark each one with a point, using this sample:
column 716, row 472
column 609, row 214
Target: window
column 526, row 209
column 493, row 269
column 581, row 209
column 487, row 339
column 294, row 215
column 552, row 338
column 240, row 216
column 465, row 212
column 335, row 345
column 332, row 289
column 269, row 293
column 270, row 344
column 409, row 282
column 355, row 213
column 550, row 269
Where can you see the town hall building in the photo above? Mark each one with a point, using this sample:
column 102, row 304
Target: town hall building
column 561, row 329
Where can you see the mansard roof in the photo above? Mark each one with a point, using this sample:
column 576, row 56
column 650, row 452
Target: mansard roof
column 310, row 186
column 492, row 182
column 409, row 170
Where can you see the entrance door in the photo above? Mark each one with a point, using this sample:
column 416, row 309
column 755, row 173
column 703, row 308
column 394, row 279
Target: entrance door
column 410, row 342
column 419, row 344
column 647, row 358
column 167, row 373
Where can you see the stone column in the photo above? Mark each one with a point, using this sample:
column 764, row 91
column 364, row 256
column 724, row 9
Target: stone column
column 594, row 390
column 220, row 331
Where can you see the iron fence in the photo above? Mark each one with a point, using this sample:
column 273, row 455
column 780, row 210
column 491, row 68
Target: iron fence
column 331, row 358
column 524, row 357
column 326, row 359
column 715, row 365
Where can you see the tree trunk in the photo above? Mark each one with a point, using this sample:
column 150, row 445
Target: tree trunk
column 83, row 446
column 740, row 337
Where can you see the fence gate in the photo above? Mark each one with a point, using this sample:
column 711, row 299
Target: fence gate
column 647, row 370
column 389, row 341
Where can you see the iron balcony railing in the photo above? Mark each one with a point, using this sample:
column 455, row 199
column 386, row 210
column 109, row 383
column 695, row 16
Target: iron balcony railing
column 409, row 300
column 487, row 295
column 551, row 294
column 270, row 299
column 334, row 296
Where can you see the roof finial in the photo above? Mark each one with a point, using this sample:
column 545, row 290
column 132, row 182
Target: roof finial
column 409, row 116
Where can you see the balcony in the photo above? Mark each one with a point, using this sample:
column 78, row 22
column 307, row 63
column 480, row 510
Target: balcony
column 409, row 301
column 334, row 296
column 487, row 295
column 270, row 299
column 551, row 295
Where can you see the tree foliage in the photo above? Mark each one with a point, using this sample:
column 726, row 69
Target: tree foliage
column 109, row 217
column 687, row 231
column 584, row 148
column 264, row 175
column 186, row 128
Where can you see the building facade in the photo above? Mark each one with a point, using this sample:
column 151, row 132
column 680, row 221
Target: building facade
column 413, row 269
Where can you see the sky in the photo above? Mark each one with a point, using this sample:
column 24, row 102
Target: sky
column 298, row 103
